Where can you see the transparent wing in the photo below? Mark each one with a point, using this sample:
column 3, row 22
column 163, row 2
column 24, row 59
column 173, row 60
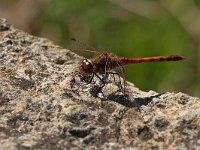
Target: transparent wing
column 83, row 49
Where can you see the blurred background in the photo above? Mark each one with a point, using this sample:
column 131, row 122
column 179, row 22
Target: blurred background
column 128, row 28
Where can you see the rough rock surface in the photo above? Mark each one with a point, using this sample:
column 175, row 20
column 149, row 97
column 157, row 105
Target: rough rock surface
column 45, row 105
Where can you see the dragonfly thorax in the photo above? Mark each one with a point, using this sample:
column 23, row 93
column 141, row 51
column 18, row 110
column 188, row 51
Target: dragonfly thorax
column 86, row 67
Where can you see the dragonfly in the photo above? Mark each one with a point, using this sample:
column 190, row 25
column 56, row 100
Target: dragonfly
column 104, row 63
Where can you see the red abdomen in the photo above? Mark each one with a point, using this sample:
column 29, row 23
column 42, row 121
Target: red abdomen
column 125, row 61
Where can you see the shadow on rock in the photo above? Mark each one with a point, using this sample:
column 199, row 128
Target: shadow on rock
column 127, row 102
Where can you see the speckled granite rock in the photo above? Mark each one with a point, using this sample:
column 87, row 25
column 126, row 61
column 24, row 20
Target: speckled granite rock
column 45, row 105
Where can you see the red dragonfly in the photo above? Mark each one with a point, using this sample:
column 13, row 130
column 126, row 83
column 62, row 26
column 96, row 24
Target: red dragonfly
column 105, row 62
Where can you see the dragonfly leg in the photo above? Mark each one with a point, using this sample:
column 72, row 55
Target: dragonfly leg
column 123, row 75
column 100, row 78
column 90, row 80
column 106, row 66
column 115, row 73
column 120, row 80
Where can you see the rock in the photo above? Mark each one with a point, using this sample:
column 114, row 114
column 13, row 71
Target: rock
column 45, row 104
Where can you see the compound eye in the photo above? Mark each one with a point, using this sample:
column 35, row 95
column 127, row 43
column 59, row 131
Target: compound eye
column 86, row 67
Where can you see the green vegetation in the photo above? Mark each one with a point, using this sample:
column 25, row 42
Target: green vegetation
column 112, row 28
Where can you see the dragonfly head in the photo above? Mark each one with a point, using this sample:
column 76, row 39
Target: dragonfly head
column 86, row 67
